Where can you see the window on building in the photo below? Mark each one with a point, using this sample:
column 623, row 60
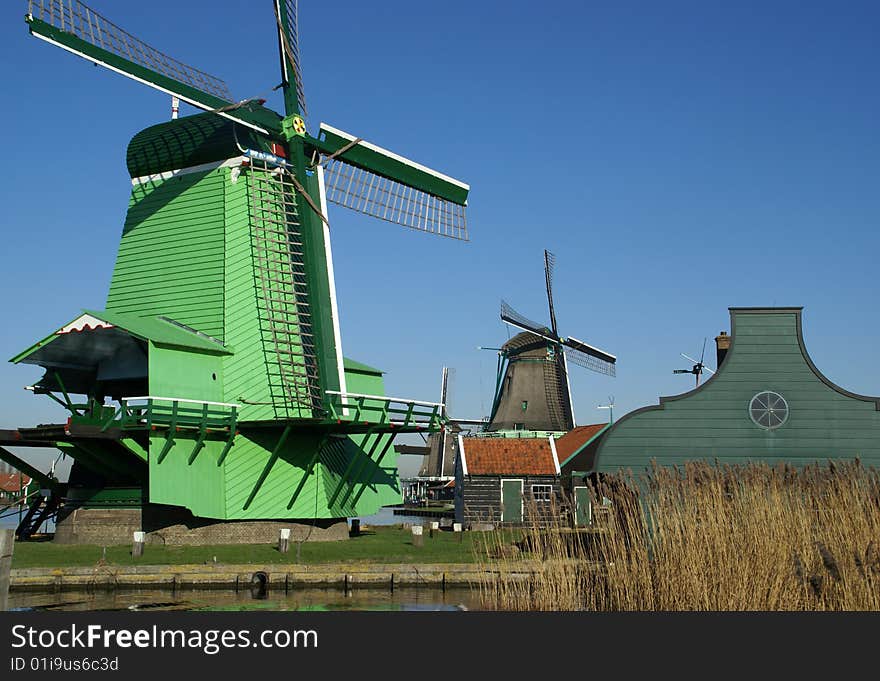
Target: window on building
column 519, row 426
column 768, row 410
column 542, row 493
column 525, row 405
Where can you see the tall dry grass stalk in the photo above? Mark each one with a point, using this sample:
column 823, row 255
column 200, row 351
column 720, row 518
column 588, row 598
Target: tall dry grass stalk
column 704, row 537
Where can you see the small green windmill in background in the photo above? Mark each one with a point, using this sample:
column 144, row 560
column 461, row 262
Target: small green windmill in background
column 214, row 378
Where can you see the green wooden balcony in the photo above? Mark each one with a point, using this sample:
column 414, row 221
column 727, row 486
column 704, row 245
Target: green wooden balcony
column 151, row 413
column 391, row 413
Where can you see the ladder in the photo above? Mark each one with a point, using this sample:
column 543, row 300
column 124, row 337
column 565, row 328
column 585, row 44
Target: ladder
column 282, row 293
column 40, row 510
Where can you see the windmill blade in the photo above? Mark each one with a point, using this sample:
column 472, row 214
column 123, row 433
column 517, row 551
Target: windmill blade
column 287, row 17
column 377, row 182
column 691, row 359
column 76, row 28
column 511, row 316
column 549, row 262
column 589, row 357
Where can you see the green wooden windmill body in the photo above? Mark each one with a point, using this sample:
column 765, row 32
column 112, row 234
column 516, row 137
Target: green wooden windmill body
column 214, row 378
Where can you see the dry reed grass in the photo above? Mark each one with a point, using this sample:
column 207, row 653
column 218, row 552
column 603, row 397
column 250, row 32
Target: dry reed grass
column 750, row 537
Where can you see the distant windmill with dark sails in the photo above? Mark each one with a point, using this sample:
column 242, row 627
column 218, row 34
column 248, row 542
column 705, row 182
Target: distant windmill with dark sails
column 532, row 387
column 698, row 367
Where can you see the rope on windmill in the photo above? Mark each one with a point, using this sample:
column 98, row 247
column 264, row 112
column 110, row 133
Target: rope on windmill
column 341, row 151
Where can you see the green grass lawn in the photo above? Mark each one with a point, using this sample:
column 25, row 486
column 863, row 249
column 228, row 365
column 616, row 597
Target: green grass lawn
column 377, row 545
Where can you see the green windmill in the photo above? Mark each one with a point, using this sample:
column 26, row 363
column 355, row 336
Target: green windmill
column 213, row 382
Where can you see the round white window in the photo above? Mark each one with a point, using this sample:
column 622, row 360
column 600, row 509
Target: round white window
column 768, row 410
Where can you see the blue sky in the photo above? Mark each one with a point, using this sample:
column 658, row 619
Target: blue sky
column 677, row 157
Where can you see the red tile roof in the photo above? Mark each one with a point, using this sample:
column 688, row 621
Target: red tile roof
column 573, row 440
column 9, row 482
column 508, row 456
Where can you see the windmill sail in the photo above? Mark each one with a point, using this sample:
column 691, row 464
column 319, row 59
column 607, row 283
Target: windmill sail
column 377, row 182
column 75, row 27
column 549, row 262
column 511, row 316
column 589, row 357
column 287, row 15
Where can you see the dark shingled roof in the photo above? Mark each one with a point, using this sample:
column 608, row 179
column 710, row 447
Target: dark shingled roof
column 508, row 456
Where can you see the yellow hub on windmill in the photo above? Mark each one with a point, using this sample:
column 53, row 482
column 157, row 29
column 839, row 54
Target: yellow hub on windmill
column 294, row 125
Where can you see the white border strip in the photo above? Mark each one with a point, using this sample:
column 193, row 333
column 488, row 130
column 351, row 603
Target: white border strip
column 568, row 386
column 396, row 157
column 592, row 347
column 385, row 398
column 179, row 399
column 168, row 174
column 334, row 306
column 555, row 455
column 461, row 454
column 149, row 84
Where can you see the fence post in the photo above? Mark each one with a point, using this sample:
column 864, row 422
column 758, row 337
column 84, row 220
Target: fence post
column 418, row 539
column 7, row 543
column 137, row 547
column 284, row 540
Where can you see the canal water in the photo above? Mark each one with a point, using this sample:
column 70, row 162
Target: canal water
column 385, row 516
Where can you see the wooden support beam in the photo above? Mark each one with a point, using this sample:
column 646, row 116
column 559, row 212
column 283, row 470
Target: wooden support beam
column 200, row 440
column 311, row 465
column 369, row 459
column 172, row 429
column 351, row 464
column 229, row 443
column 375, row 468
column 26, row 468
column 268, row 467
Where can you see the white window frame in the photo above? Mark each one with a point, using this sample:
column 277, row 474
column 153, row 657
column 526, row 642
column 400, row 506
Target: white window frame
column 541, row 500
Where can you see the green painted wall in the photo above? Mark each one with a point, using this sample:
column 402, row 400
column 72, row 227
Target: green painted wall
column 197, row 486
column 188, row 375
column 222, row 491
column 767, row 353
column 170, row 259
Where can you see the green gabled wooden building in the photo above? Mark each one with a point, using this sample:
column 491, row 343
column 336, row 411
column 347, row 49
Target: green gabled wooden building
column 767, row 402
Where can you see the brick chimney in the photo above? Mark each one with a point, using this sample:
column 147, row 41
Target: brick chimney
column 722, row 345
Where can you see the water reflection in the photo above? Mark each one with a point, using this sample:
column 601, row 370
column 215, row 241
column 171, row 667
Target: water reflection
column 301, row 599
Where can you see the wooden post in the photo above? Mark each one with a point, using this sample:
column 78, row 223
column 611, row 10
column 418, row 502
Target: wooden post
column 137, row 547
column 355, row 527
column 433, row 526
column 418, row 539
column 7, row 543
column 456, row 527
column 284, row 540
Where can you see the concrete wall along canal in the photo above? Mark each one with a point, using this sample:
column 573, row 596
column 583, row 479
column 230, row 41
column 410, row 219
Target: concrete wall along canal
column 242, row 577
